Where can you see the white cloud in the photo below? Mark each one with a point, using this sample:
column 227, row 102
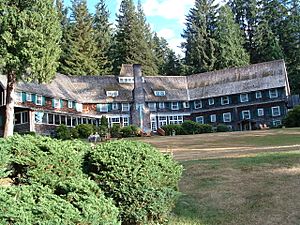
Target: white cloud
column 166, row 33
column 173, row 40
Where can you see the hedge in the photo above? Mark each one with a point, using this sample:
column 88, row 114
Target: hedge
column 178, row 129
column 292, row 118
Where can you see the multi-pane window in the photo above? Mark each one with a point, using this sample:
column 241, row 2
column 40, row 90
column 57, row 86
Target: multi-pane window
column 39, row 100
column 28, row 97
column 276, row 123
column 56, row 103
column 225, row 100
column 198, row 104
column 112, row 93
column 115, row 106
column 152, row 106
column 227, row 117
column 174, row 105
column 103, row 107
column 125, row 121
column 186, row 105
column 161, row 105
column 258, row 94
column 162, row 121
column 200, row 119
column 126, row 80
column 115, row 120
column 70, row 104
column 21, row 118
column 213, row 118
column 159, row 93
column 273, row 93
column 276, row 111
column 153, row 123
column 211, row 101
column 246, row 114
column 260, row 112
column 18, row 96
column 125, row 107
column 175, row 119
column 244, row 97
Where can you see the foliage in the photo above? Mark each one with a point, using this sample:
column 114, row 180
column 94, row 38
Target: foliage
column 222, row 128
column 178, row 129
column 191, row 127
column 63, row 132
column 129, row 131
column 51, row 186
column 104, row 121
column 292, row 118
column 4, row 162
column 85, row 130
column 141, row 180
column 102, row 130
column 74, row 134
column 115, row 131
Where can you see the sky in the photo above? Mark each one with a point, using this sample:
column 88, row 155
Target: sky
column 166, row 17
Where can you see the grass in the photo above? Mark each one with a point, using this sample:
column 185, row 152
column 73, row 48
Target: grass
column 263, row 189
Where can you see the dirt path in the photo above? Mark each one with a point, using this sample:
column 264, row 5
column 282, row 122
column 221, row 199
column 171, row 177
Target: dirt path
column 230, row 152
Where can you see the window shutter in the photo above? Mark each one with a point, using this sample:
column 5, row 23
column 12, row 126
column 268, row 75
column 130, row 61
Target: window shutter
column 43, row 100
column 98, row 107
column 33, row 98
column 61, row 103
column 23, row 96
column 53, row 103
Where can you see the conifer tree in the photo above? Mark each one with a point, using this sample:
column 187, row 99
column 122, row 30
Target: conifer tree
column 199, row 45
column 103, row 37
column 29, row 46
column 80, row 55
column 230, row 49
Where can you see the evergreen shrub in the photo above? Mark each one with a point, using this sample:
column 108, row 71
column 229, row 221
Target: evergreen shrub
column 63, row 132
column 85, row 130
column 129, row 131
column 115, row 131
column 292, row 118
column 222, row 128
column 191, row 127
column 142, row 181
column 173, row 127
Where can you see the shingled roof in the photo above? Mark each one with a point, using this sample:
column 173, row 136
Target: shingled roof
column 92, row 89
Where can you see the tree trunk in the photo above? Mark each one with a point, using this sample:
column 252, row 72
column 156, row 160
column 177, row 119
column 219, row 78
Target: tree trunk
column 10, row 97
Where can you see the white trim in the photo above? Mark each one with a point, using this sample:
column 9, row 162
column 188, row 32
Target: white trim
column 22, row 117
column 161, row 105
column 273, row 95
column 197, row 104
column 70, row 104
column 160, row 93
column 186, row 105
column 244, row 97
column 274, row 110
column 152, row 106
column 103, row 107
column 114, row 106
column 260, row 112
column 246, row 114
column 200, row 119
column 258, row 94
column 28, row 97
column 125, row 107
column 211, row 101
column 174, row 105
column 225, row 100
column 213, row 118
column 229, row 117
column 112, row 93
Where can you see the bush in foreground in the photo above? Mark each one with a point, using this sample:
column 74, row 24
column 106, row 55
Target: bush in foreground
column 177, row 128
column 141, row 180
column 292, row 119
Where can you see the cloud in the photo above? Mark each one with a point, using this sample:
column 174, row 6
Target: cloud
column 166, row 33
column 173, row 40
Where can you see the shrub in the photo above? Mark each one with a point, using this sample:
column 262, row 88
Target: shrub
column 222, row 128
column 85, row 130
column 203, row 128
column 115, row 131
column 74, row 133
column 292, row 118
column 189, row 127
column 63, row 132
column 4, row 161
column 51, row 186
column 141, row 180
column 173, row 127
column 129, row 131
column 102, row 130
column 104, row 121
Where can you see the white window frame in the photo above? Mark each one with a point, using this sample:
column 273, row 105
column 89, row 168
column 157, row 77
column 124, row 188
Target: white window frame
column 213, row 118
column 276, row 123
column 161, row 105
column 28, row 97
column 103, row 107
column 18, row 96
column 198, row 104
column 244, row 97
column 114, row 106
column 260, row 112
column 56, row 103
column 112, row 93
column 125, row 121
column 39, row 100
column 246, row 115
column 160, row 93
column 175, row 119
column 162, row 121
column 152, row 106
column 126, row 80
column 227, row 120
column 200, row 119
column 70, row 104
column 175, row 105
column 258, row 94
column 153, row 123
column 21, row 118
column 125, row 107
column 211, row 101
column 186, row 105
column 274, row 109
column 79, row 107
column 273, row 93
column 225, row 100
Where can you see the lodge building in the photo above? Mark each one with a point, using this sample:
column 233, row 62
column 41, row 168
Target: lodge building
column 243, row 98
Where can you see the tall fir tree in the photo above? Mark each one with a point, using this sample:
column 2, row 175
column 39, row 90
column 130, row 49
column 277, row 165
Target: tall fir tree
column 80, row 55
column 103, row 37
column 230, row 41
column 29, row 46
column 200, row 45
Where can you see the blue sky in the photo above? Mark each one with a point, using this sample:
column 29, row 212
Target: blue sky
column 166, row 17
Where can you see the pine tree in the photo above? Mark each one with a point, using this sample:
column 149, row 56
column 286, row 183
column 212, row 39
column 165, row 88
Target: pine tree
column 103, row 37
column 172, row 66
column 199, row 45
column 29, row 46
column 230, row 49
column 80, row 56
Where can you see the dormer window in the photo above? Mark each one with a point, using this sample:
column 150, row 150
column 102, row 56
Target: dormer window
column 126, row 80
column 112, row 93
column 159, row 93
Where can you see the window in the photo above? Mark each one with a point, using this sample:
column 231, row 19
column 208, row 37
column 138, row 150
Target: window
column 174, row 106
column 18, row 96
column 125, row 107
column 225, row 100
column 126, row 80
column 273, row 93
column 213, row 118
column 276, row 123
column 70, row 104
column 114, row 120
column 161, row 105
column 200, row 119
column 276, row 111
column 69, row 121
column 112, row 93
column 103, row 107
column 28, row 97
column 244, row 98
column 186, row 105
column 115, row 106
column 63, row 120
column 159, row 93
column 198, row 104
column 152, row 106
column 246, row 115
column 162, row 121
column 258, row 94
column 227, row 117
column 50, row 118
column 45, row 118
column 125, row 121
column 175, row 119
column 39, row 100
column 260, row 112
column 153, row 123
column 56, row 103
column 21, row 118
column 211, row 101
